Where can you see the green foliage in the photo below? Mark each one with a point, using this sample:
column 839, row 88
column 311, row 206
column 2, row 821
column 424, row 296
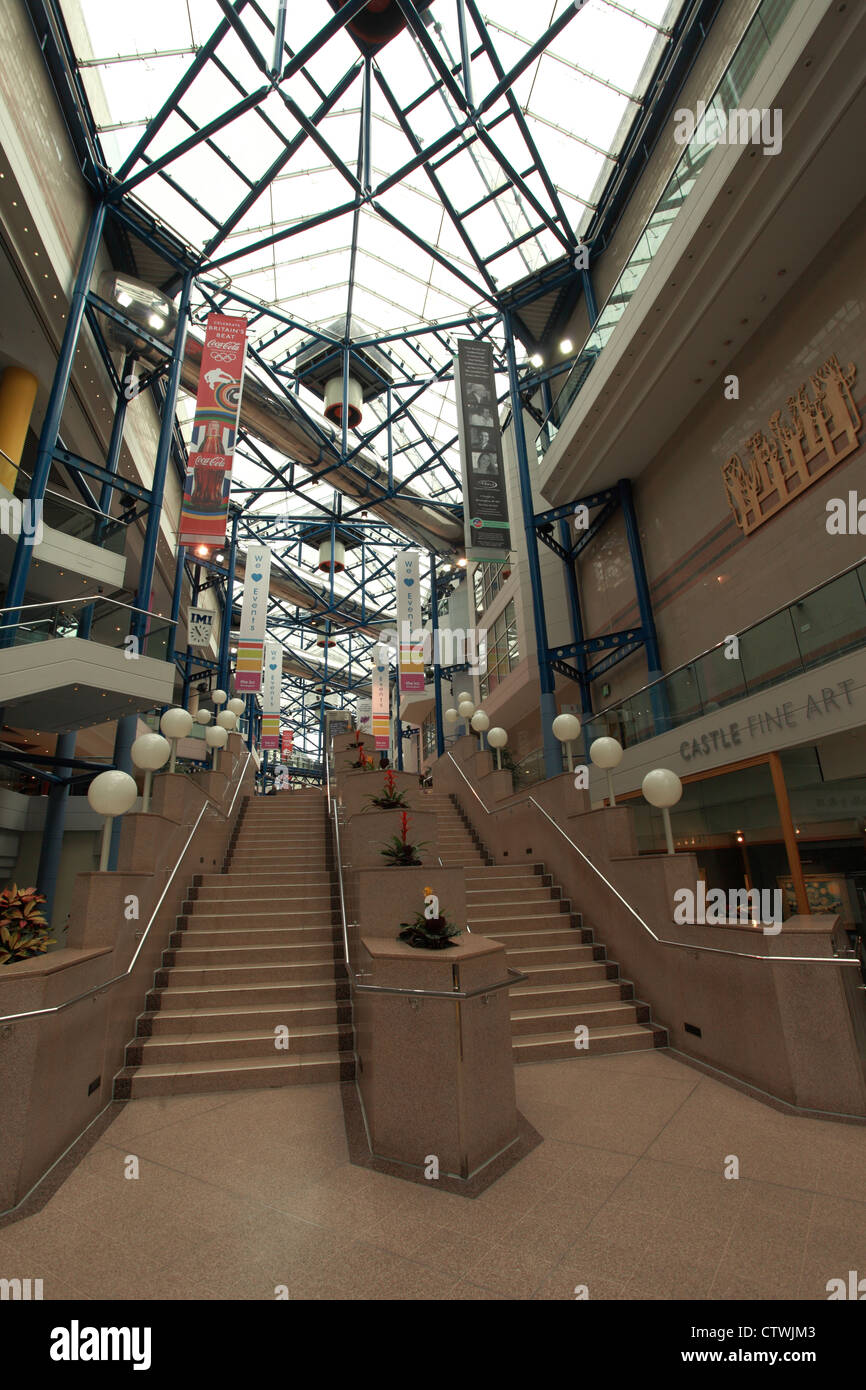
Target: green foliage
column 428, row 933
column 23, row 929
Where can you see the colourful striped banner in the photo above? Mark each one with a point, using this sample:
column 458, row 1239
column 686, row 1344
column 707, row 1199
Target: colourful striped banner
column 248, row 671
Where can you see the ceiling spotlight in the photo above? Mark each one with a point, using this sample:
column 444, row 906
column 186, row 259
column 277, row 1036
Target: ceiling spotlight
column 566, row 345
column 461, row 563
column 536, row 360
column 202, row 551
column 220, row 559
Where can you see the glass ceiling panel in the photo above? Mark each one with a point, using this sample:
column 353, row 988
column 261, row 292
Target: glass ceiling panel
column 574, row 103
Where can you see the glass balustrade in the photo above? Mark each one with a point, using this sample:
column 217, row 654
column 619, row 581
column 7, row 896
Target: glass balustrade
column 819, row 627
column 104, row 620
column 745, row 62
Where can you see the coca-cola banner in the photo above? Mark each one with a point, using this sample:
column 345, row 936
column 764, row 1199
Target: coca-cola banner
column 254, row 617
column 217, row 406
column 271, row 695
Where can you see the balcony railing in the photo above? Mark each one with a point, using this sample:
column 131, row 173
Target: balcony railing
column 822, row 625
column 103, row 620
column 751, row 50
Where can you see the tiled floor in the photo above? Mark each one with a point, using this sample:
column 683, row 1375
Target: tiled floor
column 241, row 1193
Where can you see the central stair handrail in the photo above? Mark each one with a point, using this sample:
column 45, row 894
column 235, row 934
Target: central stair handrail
column 662, row 940
column 108, row 984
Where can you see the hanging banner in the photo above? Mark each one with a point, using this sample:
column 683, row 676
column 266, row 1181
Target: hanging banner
column 364, row 716
column 272, row 689
column 381, row 698
column 199, row 627
column 287, row 740
column 254, row 617
column 217, row 406
column 485, row 501
column 411, row 660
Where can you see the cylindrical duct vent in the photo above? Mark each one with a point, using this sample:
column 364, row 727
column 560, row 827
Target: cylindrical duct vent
column 324, row 641
column 325, row 557
column 334, row 401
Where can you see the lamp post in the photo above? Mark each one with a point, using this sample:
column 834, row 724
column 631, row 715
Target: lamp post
column 663, row 789
column 216, row 737
column 606, row 753
column 480, row 723
column 566, row 728
column 176, row 723
column 111, row 794
column 150, row 752
column 497, row 738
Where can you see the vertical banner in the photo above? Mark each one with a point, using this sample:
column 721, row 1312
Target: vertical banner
column 272, row 694
column 287, row 739
column 485, row 501
column 381, row 698
column 411, row 660
column 364, row 716
column 254, row 617
column 217, row 406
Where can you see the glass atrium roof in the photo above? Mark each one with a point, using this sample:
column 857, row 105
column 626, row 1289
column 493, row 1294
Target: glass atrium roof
column 419, row 241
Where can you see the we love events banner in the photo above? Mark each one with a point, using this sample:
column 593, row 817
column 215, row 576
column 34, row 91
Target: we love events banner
column 381, row 698
column 409, row 621
column 254, row 618
column 272, row 694
column 217, row 406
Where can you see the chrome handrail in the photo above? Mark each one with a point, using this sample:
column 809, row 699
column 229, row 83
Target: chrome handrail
column 663, row 940
column 516, row 977
column 89, row 598
column 107, row 984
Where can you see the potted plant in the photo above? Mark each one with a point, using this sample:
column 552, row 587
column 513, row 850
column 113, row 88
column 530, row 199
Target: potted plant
column 23, row 929
column 362, row 760
column 428, row 933
column 390, row 799
column 400, row 853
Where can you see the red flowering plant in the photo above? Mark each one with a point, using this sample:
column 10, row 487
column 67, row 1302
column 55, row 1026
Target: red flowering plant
column 362, row 760
column 391, row 798
column 400, row 852
column 23, row 929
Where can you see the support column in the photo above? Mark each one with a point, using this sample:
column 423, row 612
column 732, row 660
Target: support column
column 789, row 834
column 17, row 586
column 123, row 740
column 55, row 819
column 552, row 753
column 141, row 621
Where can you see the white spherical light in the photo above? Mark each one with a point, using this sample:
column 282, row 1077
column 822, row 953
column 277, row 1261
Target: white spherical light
column 176, row 723
column 227, row 719
column 237, row 706
column 606, row 752
column 480, row 722
column 497, row 738
column 451, row 716
column 215, row 736
column 150, row 752
column 566, row 727
column 466, row 709
column 112, row 793
column 662, row 788
column 219, row 697
column 465, row 695
column 204, row 716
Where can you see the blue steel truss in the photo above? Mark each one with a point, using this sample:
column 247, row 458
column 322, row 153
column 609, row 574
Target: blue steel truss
column 350, row 617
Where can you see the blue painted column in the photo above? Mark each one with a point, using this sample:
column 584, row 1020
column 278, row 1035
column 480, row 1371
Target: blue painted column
column 17, row 586
column 140, row 621
column 52, row 833
column 658, row 697
column 123, row 740
column 437, row 664
column 552, row 751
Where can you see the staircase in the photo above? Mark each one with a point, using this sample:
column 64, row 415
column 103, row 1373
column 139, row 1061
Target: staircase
column 259, row 948
column 571, row 981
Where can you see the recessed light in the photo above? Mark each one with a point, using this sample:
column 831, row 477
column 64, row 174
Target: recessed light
column 566, row 345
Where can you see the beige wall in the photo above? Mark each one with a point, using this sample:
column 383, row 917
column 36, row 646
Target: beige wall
column 706, row 578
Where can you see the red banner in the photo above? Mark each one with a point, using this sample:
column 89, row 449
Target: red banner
column 217, row 406
column 287, row 741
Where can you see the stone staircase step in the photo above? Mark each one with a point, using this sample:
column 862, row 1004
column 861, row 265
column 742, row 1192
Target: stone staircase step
column 248, row 937
column 175, row 1078
column 248, row 957
column 568, row 940
column 528, row 1022
column 286, row 994
column 569, row 996
column 233, row 1018
column 255, row 1043
column 622, row 1037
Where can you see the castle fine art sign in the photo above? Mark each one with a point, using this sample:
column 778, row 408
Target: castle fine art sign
column 820, row 429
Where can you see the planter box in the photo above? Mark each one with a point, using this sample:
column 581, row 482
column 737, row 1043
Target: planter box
column 366, row 834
